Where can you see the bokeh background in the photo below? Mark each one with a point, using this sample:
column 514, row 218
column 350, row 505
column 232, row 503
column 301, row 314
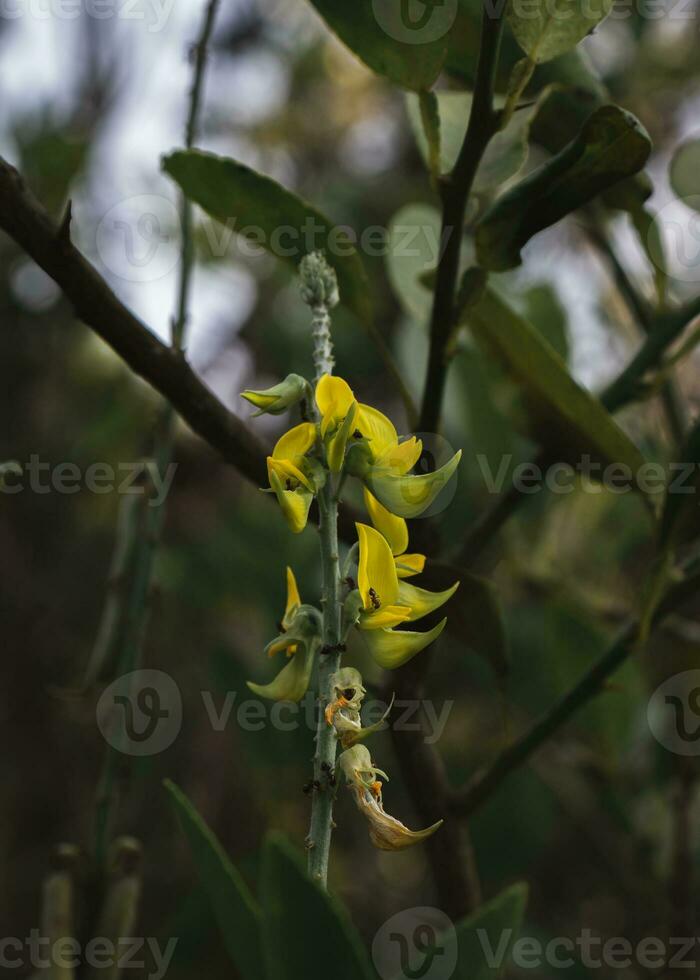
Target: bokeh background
column 86, row 109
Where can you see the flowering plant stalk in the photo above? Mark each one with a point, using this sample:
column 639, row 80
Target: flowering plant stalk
column 339, row 438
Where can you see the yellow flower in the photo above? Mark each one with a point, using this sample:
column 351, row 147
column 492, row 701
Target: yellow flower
column 395, row 530
column 338, row 409
column 299, row 638
column 387, row 601
column 386, row 832
column 374, row 452
column 286, row 470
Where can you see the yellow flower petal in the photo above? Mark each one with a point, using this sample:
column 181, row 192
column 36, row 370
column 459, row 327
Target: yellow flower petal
column 402, row 458
column 384, row 618
column 392, row 648
column 378, row 428
column 287, row 470
column 293, row 597
column 409, row 496
column 393, row 528
column 297, row 442
column 408, row 565
column 258, row 398
column 377, row 579
column 295, row 504
column 292, row 682
column 334, row 398
column 420, row 601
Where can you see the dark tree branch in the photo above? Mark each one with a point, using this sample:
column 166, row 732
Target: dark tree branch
column 483, row 125
column 26, row 221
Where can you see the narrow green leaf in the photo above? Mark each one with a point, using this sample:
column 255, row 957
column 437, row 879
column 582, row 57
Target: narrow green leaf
column 545, row 29
column 430, row 119
column 413, row 251
column 561, row 415
column 307, row 932
column 260, row 209
column 505, row 154
column 486, row 938
column 383, row 35
column 684, row 173
column 235, row 910
column 612, row 145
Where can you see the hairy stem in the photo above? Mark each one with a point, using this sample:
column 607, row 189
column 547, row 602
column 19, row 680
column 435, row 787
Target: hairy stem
column 320, row 288
column 319, row 841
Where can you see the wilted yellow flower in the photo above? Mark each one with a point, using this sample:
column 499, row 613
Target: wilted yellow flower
column 385, row 831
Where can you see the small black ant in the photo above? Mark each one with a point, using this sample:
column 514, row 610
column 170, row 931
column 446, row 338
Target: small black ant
column 374, row 598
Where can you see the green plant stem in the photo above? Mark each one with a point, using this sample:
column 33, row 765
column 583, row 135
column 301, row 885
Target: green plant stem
column 485, row 783
column 319, row 840
column 484, row 122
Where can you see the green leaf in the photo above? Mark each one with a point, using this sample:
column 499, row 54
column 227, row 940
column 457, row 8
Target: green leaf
column 485, row 939
column 544, row 311
column 413, row 249
column 562, row 416
column 307, row 932
column 612, row 145
column 381, row 34
column 505, row 154
column 545, row 29
column 235, row 910
column 429, row 111
column 262, row 210
column 684, row 173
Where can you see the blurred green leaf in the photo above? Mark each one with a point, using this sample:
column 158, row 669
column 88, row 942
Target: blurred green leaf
column 307, row 932
column 611, row 146
column 684, row 173
column 258, row 208
column 236, row 912
column 382, row 35
column 545, row 29
column 413, row 249
column 680, row 519
column 505, row 154
column 545, row 312
column 561, row 415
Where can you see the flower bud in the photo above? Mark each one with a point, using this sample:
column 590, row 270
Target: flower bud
column 275, row 400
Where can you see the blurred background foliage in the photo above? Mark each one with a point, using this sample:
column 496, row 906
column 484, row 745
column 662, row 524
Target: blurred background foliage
column 587, row 824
